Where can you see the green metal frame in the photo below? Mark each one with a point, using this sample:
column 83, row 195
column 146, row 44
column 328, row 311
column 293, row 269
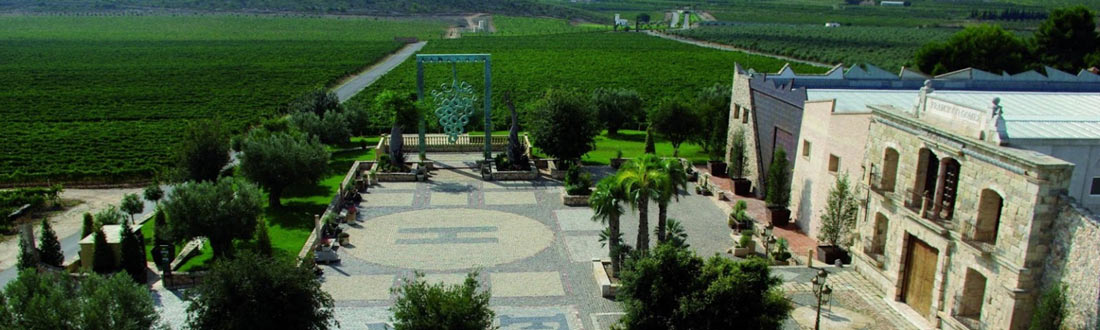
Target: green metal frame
column 455, row 59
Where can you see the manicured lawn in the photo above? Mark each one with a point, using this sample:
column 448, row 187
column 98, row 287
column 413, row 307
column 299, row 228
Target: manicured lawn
column 289, row 226
column 632, row 144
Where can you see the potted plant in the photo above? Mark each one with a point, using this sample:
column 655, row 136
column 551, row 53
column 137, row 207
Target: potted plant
column 837, row 221
column 578, row 186
column 618, row 160
column 745, row 245
column 739, row 219
column 717, row 166
column 779, row 189
column 782, row 253
column 738, row 166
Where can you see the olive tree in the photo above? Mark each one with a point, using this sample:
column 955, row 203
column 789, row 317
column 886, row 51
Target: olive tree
column 617, row 107
column 204, row 151
column 56, row 301
column 676, row 121
column 254, row 292
column 563, row 124
column 278, row 160
column 220, row 211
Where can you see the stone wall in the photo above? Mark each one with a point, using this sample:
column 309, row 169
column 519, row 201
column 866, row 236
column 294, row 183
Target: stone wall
column 1029, row 184
column 1075, row 261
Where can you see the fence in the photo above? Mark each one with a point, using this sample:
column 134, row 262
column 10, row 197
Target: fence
column 441, row 143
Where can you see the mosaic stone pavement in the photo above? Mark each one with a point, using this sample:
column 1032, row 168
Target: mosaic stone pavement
column 531, row 251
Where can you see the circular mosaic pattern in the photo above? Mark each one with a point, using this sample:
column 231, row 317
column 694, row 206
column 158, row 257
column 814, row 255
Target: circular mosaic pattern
column 447, row 239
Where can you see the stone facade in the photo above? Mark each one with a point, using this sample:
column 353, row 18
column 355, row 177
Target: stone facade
column 1075, row 261
column 833, row 146
column 990, row 243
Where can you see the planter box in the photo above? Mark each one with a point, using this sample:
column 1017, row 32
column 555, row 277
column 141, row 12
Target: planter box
column 541, row 163
column 745, row 251
column 392, row 176
column 531, row 174
column 717, row 168
column 779, row 217
column 829, row 254
column 559, row 174
column 742, row 187
column 574, row 200
column 781, row 262
column 607, row 289
column 618, row 162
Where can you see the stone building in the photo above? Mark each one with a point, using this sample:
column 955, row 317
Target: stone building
column 971, row 193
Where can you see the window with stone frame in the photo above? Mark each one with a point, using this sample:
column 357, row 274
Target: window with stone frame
column 736, row 111
column 969, row 304
column 834, row 163
column 988, row 220
column 1095, row 190
column 806, row 145
column 889, row 170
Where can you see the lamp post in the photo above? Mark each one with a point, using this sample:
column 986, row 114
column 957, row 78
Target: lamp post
column 822, row 291
column 768, row 239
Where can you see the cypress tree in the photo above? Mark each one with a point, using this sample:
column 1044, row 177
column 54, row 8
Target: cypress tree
column 649, row 147
column 89, row 225
column 263, row 241
column 133, row 254
column 49, row 248
column 103, row 260
column 27, row 259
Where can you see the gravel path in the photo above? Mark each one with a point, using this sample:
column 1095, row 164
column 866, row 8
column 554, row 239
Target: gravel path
column 357, row 83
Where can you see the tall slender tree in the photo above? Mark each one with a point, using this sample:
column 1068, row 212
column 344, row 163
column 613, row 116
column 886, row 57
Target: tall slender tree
column 27, row 258
column 133, row 253
column 103, row 257
column 49, row 248
column 89, row 225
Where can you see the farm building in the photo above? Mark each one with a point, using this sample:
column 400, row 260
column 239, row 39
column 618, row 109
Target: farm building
column 979, row 190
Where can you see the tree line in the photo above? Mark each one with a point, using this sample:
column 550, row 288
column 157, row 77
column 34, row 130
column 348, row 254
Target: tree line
column 1067, row 40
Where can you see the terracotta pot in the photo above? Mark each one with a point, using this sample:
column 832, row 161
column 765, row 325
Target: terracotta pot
column 779, row 216
column 742, row 187
column 829, row 254
column 717, row 168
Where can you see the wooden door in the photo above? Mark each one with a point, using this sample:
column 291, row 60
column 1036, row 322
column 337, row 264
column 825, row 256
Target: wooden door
column 920, row 275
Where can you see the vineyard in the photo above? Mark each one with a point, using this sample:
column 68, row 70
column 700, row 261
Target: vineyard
column 103, row 99
column 528, row 65
column 887, row 47
column 516, row 26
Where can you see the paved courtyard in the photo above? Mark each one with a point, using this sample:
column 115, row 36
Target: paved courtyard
column 531, row 251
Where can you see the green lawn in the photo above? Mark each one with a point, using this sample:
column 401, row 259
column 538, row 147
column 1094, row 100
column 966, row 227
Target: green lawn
column 290, row 226
column 632, row 144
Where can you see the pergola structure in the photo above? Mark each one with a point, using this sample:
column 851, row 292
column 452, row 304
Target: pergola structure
column 454, row 103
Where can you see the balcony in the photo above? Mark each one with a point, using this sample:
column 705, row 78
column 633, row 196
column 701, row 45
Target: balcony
column 968, row 235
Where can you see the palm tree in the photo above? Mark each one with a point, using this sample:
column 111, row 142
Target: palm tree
column 640, row 179
column 605, row 202
column 669, row 189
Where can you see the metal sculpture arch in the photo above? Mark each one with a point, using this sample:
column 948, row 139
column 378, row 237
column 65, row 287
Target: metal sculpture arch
column 455, row 103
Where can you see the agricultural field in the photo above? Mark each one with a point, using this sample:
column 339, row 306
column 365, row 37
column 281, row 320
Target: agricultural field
column 886, row 47
column 104, row 99
column 529, row 65
column 516, row 26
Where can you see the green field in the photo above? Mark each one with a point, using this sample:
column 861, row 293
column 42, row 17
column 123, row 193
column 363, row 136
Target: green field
column 515, row 26
column 528, row 65
column 887, row 47
column 102, row 99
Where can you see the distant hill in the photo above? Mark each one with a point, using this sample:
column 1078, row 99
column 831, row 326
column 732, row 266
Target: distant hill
column 357, row 7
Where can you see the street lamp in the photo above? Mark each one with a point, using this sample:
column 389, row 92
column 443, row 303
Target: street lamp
column 822, row 291
column 769, row 240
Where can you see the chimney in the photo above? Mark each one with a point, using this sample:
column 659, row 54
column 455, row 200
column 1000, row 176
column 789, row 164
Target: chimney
column 922, row 98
